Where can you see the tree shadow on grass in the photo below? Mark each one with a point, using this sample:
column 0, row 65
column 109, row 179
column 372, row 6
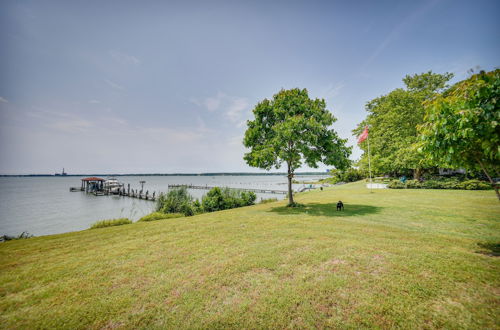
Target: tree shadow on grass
column 327, row 210
column 489, row 249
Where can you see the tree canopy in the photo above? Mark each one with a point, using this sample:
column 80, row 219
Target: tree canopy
column 291, row 128
column 393, row 121
column 462, row 126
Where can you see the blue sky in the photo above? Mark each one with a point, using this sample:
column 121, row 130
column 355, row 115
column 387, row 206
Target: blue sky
column 166, row 86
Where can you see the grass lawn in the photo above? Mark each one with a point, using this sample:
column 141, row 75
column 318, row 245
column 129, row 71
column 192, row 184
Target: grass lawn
column 393, row 258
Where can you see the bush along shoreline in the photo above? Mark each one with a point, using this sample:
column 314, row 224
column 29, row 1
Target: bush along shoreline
column 23, row 235
column 179, row 201
column 111, row 223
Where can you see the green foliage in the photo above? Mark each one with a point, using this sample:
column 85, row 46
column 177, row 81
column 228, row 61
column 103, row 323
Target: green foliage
column 213, row 200
column 111, row 223
column 218, row 199
column 23, row 235
column 349, row 175
column 476, row 185
column 248, row 197
column 393, row 119
column 448, row 183
column 462, row 127
column 396, row 184
column 176, row 201
column 160, row 216
column 268, row 200
column 197, row 207
column 291, row 128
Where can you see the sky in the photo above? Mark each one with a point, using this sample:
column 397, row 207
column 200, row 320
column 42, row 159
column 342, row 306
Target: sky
column 167, row 86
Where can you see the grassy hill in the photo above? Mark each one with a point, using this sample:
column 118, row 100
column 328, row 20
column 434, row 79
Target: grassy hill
column 393, row 258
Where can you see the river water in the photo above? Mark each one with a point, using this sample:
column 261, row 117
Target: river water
column 44, row 205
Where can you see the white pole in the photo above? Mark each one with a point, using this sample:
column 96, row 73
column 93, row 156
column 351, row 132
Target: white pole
column 369, row 162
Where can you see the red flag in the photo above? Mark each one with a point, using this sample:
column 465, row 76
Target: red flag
column 363, row 135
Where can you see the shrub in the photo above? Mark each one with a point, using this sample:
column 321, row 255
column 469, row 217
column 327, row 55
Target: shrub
column 441, row 183
column 349, row 175
column 268, row 200
column 218, row 199
column 176, row 201
column 160, row 216
column 110, row 223
column 197, row 207
column 23, row 235
column 213, row 200
column 450, row 184
column 413, row 184
column 476, row 185
column 248, row 197
column 396, row 184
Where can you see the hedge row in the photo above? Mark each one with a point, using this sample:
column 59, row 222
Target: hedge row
column 441, row 184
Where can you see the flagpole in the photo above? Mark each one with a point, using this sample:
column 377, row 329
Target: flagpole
column 369, row 163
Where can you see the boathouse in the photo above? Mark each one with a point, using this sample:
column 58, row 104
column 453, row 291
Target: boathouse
column 92, row 184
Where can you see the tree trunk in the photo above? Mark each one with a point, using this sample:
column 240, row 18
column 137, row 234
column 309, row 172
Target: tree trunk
column 290, row 177
column 493, row 184
column 417, row 173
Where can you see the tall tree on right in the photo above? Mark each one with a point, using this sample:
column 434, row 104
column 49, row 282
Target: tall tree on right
column 393, row 119
column 462, row 126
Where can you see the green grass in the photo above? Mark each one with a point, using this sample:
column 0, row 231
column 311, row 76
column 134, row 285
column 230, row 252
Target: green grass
column 160, row 216
column 393, row 258
column 110, row 223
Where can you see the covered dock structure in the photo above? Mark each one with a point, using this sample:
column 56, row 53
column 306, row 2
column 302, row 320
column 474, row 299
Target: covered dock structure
column 92, row 184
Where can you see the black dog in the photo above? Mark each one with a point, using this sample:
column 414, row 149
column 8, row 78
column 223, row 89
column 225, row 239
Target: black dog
column 340, row 206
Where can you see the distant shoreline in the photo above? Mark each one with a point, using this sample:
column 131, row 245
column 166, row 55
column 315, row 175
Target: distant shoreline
column 163, row 174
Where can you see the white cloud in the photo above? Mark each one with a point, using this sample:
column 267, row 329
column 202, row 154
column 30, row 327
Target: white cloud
column 113, row 84
column 235, row 141
column 124, row 58
column 61, row 121
column 235, row 108
column 331, row 90
column 71, row 125
column 3, row 100
column 94, row 101
column 213, row 103
column 232, row 106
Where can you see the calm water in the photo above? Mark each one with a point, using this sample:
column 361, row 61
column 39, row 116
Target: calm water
column 44, row 205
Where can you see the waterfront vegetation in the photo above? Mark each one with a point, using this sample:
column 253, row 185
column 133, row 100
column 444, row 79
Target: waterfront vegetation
column 111, row 223
column 23, row 235
column 268, row 200
column 160, row 216
column 217, row 199
column 394, row 258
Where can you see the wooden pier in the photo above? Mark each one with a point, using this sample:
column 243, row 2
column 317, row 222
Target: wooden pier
column 97, row 187
column 262, row 191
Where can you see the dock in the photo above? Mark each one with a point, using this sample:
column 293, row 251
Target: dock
column 97, row 187
column 261, row 191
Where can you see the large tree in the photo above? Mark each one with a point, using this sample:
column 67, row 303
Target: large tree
column 393, row 120
column 291, row 128
column 462, row 126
